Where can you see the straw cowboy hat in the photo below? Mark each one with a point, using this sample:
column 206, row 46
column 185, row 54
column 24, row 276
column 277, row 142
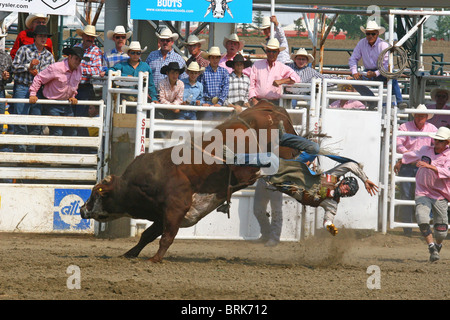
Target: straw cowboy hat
column 443, row 133
column 194, row 66
column 167, row 34
column 273, row 44
column 118, row 30
column 34, row 16
column 213, row 51
column 171, row 66
column 440, row 89
column 88, row 30
column 422, row 107
column 193, row 39
column 234, row 37
column 303, row 52
column 134, row 46
column 265, row 23
column 372, row 25
column 238, row 58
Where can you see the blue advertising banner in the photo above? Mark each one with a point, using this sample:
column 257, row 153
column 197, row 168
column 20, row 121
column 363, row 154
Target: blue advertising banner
column 226, row 11
column 67, row 209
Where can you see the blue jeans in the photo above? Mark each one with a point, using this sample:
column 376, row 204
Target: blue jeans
column 2, row 104
column 395, row 87
column 63, row 111
column 21, row 91
column 85, row 92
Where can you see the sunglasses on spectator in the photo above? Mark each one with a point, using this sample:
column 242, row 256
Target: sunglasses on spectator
column 120, row 37
column 371, row 33
column 135, row 53
column 165, row 40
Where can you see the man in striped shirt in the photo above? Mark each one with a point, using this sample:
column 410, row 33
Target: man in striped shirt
column 28, row 62
column 116, row 55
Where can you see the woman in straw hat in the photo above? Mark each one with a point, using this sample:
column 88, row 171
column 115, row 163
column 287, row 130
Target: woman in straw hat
column 33, row 20
column 440, row 97
column 302, row 59
column 432, row 188
column 116, row 55
column 133, row 65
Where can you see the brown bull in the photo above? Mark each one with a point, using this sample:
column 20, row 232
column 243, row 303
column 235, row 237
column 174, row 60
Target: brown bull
column 173, row 196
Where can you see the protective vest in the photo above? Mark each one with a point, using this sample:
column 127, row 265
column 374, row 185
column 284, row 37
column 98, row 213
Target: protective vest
column 326, row 189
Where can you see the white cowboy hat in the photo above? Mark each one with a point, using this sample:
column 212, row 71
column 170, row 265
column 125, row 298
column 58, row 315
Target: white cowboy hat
column 234, row 37
column 422, row 107
column 213, row 51
column 443, row 133
column 194, row 66
column 118, row 30
column 134, row 46
column 303, row 52
column 167, row 34
column 34, row 16
column 193, row 39
column 440, row 89
column 265, row 23
column 273, row 44
column 89, row 30
column 373, row 25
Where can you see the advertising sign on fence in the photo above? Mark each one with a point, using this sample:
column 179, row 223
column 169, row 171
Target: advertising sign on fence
column 56, row 7
column 226, row 11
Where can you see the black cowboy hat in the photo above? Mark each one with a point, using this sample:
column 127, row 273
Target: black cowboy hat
column 171, row 66
column 40, row 29
column 77, row 51
column 238, row 58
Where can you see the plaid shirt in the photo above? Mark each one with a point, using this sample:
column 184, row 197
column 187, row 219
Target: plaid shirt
column 306, row 73
column 22, row 61
column 156, row 62
column 169, row 95
column 92, row 67
column 5, row 65
column 215, row 84
column 238, row 88
column 113, row 57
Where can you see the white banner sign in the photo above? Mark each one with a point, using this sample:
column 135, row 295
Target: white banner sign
column 56, row 7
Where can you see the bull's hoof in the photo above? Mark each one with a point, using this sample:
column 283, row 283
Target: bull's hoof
column 130, row 255
column 155, row 260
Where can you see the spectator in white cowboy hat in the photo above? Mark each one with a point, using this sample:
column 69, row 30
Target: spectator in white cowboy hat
column 90, row 67
column 432, row 192
column 194, row 46
column 239, row 83
column 440, row 96
column 215, row 81
column 33, row 20
column 193, row 91
column 268, row 75
column 233, row 45
column 133, row 65
column 278, row 34
column 116, row 55
column 302, row 59
column 163, row 56
column 420, row 123
column 369, row 49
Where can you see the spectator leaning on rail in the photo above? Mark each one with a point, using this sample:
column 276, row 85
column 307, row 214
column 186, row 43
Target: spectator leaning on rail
column 278, row 34
column 432, row 188
column 60, row 81
column 407, row 144
column 5, row 73
column 268, row 75
column 116, row 55
column 239, row 83
column 369, row 49
column 440, row 96
column 33, row 20
column 193, row 91
column 29, row 61
column 171, row 89
column 90, row 67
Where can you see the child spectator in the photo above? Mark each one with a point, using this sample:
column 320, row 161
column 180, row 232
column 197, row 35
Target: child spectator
column 171, row 88
column 239, row 83
column 193, row 91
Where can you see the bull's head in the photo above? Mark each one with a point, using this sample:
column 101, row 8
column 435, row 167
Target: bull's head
column 218, row 8
column 101, row 205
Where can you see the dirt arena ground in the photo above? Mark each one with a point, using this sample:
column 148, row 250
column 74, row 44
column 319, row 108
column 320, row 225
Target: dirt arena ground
column 35, row 266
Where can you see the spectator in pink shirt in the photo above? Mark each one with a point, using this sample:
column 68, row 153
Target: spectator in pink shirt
column 432, row 188
column 440, row 96
column 60, row 81
column 347, row 104
column 412, row 143
column 233, row 46
column 171, row 88
column 268, row 75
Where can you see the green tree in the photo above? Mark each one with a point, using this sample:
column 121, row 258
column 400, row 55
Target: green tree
column 299, row 26
column 258, row 18
column 351, row 24
column 442, row 30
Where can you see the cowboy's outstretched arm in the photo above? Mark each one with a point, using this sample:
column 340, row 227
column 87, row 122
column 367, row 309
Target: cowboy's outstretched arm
column 371, row 187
